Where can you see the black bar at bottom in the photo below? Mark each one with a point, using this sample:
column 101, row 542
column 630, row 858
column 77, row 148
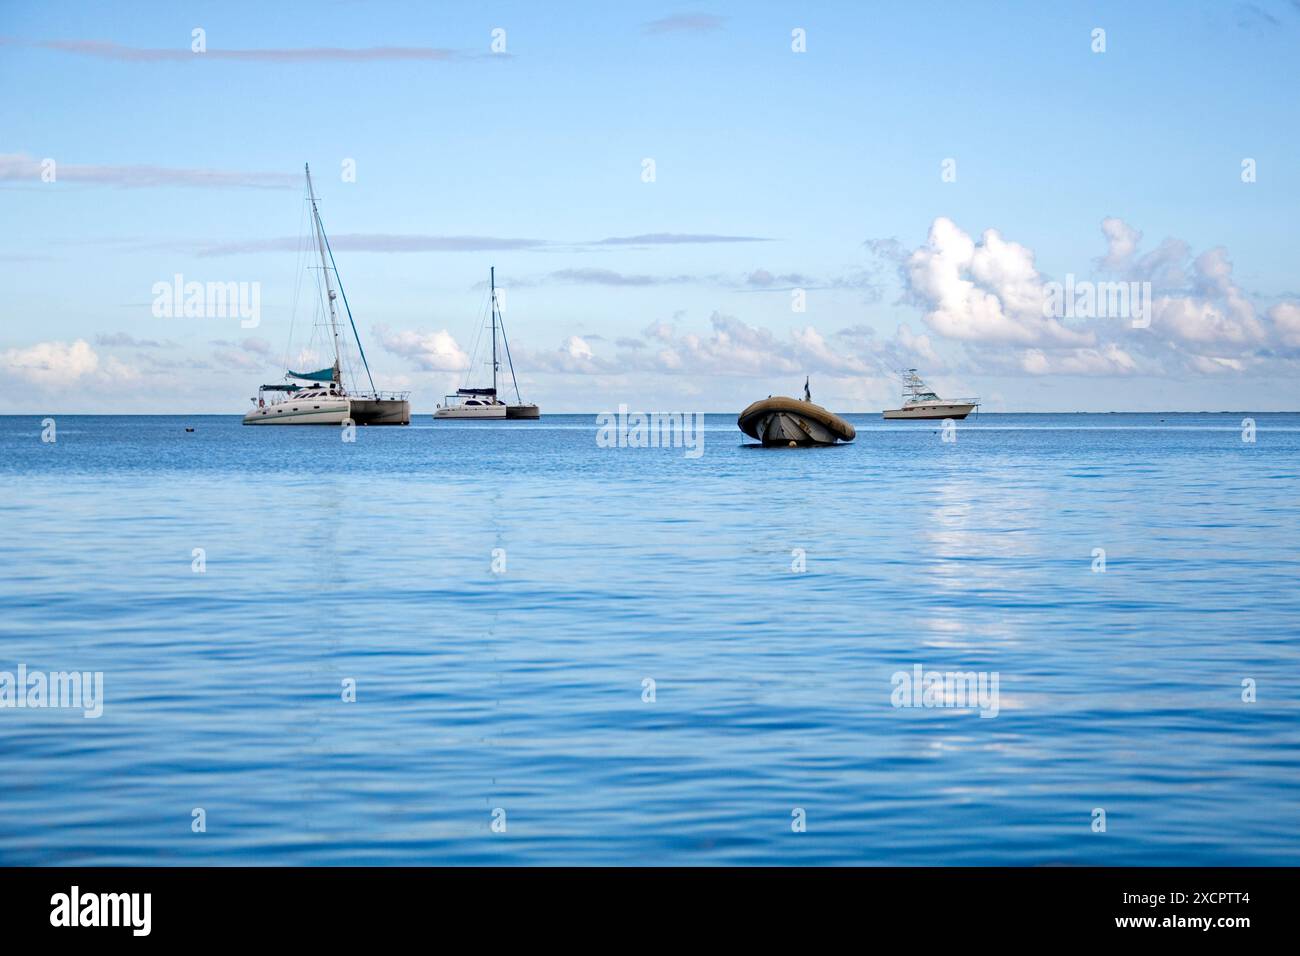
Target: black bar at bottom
column 335, row 905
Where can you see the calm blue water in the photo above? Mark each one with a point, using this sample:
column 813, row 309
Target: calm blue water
column 522, row 690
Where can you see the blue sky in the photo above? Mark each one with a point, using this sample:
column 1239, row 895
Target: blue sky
column 774, row 170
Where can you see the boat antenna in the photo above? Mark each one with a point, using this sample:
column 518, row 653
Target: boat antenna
column 807, row 395
column 326, row 250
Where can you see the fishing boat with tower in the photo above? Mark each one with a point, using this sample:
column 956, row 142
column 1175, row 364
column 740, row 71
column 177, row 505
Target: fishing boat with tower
column 484, row 402
column 920, row 402
column 322, row 397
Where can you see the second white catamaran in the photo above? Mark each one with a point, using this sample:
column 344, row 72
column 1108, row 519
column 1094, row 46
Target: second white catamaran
column 484, row 402
column 319, row 397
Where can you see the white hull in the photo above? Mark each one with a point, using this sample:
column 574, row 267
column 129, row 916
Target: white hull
column 471, row 411
column 311, row 411
column 931, row 411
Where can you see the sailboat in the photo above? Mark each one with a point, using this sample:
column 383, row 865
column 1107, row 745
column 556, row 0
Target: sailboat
column 481, row 403
column 320, row 397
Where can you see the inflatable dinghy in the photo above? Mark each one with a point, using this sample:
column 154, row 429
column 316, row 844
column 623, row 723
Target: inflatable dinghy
column 789, row 421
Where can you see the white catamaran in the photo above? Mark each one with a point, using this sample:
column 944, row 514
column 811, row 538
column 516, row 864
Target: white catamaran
column 484, row 402
column 920, row 402
column 324, row 400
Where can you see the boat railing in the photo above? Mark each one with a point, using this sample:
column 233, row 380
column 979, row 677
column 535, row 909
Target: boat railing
column 382, row 396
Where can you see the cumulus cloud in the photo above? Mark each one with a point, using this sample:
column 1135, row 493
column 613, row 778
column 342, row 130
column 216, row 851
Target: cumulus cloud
column 732, row 347
column 1108, row 360
column 1121, row 242
column 577, row 348
column 1285, row 317
column 983, row 292
column 1217, row 313
column 917, row 345
column 430, row 351
column 988, row 294
column 51, row 363
column 574, row 356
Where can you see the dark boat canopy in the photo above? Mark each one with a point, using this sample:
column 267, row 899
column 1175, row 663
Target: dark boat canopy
column 476, row 391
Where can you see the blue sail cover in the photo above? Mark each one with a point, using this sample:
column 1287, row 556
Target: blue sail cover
column 324, row 375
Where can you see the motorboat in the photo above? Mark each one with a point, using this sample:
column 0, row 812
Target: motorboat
column 920, row 401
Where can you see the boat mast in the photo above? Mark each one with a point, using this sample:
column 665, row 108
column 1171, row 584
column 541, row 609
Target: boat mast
column 319, row 229
column 492, row 279
column 323, row 242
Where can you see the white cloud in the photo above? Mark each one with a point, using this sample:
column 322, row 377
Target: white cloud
column 918, row 345
column 985, row 292
column 1213, row 365
column 1286, row 320
column 51, row 363
column 577, row 348
column 988, row 294
column 1121, row 242
column 1219, row 314
column 1204, row 322
column 430, row 351
column 1109, row 359
column 812, row 350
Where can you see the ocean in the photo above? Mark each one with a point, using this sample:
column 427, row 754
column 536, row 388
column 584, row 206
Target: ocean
column 500, row 643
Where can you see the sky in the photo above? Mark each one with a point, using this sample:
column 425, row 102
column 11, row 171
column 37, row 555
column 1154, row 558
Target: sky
column 688, row 207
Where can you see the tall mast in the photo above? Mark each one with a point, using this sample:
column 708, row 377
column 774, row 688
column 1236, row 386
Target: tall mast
column 492, row 279
column 319, row 229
